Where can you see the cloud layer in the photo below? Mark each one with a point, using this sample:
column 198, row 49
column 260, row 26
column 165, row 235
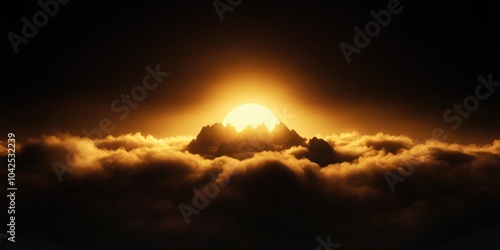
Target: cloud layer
column 131, row 191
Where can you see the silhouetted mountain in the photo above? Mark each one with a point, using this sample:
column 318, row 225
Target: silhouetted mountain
column 285, row 137
column 210, row 138
column 320, row 152
column 218, row 140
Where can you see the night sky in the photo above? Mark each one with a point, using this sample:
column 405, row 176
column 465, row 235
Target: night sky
column 425, row 88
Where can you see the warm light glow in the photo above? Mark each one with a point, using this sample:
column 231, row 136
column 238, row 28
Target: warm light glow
column 251, row 114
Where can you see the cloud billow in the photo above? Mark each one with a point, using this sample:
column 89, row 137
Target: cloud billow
column 124, row 191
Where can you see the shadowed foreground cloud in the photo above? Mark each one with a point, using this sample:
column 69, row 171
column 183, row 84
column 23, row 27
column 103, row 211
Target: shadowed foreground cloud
column 125, row 192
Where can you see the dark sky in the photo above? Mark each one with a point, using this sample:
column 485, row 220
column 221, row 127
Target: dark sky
column 427, row 58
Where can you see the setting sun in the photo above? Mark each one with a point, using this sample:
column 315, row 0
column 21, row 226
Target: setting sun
column 251, row 114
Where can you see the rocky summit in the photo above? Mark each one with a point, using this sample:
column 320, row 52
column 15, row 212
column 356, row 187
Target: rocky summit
column 218, row 140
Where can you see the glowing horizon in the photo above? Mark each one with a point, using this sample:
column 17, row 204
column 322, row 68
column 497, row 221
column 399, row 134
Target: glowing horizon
column 252, row 114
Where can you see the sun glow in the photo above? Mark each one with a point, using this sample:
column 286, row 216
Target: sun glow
column 252, row 114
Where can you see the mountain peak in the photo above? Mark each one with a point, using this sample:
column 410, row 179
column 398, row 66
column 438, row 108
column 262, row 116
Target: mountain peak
column 217, row 140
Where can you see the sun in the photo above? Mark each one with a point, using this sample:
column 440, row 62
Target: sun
column 252, row 114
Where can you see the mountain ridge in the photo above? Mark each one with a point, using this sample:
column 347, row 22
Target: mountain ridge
column 218, row 140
